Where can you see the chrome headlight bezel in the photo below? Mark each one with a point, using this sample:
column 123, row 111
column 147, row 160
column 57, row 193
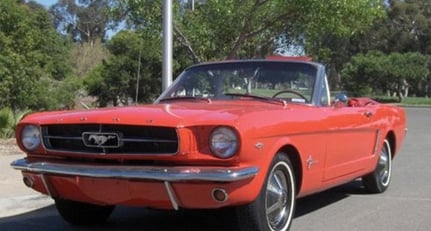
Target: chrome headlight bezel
column 224, row 142
column 30, row 137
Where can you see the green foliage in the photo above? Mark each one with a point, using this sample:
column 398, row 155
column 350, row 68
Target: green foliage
column 220, row 29
column 407, row 28
column 114, row 82
column 36, row 62
column 378, row 73
column 339, row 17
column 233, row 29
column 84, row 57
column 329, row 28
column 9, row 120
column 85, row 21
column 217, row 30
column 33, row 55
column 6, row 123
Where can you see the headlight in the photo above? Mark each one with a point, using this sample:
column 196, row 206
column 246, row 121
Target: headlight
column 223, row 142
column 30, row 137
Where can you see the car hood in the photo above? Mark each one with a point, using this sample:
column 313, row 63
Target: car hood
column 172, row 115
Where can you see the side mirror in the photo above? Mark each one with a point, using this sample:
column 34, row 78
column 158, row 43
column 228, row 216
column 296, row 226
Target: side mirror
column 340, row 100
column 341, row 97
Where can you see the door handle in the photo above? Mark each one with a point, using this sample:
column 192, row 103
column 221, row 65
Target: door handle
column 367, row 113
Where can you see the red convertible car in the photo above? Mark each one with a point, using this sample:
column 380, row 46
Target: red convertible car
column 252, row 135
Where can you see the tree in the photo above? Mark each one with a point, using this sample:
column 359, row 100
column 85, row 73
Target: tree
column 406, row 28
column 33, row 57
column 216, row 30
column 84, row 20
column 213, row 30
column 378, row 73
column 84, row 57
column 221, row 29
column 131, row 74
column 330, row 27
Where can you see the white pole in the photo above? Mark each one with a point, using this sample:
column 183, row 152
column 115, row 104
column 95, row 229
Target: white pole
column 167, row 44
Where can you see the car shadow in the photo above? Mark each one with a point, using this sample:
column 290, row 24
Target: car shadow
column 131, row 218
column 320, row 200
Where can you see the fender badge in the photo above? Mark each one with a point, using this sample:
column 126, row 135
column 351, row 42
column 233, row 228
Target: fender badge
column 311, row 162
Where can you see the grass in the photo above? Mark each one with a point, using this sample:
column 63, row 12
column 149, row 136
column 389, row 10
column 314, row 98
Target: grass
column 417, row 101
column 408, row 101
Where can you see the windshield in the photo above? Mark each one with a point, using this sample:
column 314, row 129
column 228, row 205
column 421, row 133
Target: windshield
column 290, row 81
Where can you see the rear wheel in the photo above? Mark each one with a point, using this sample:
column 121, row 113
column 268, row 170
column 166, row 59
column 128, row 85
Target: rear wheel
column 83, row 214
column 274, row 207
column 378, row 181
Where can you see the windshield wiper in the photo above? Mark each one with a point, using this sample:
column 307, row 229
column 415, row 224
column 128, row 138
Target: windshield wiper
column 266, row 99
column 186, row 98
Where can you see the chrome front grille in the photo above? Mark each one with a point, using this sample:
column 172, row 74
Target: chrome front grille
column 110, row 139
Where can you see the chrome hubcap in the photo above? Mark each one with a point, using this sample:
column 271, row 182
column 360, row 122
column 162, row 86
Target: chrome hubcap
column 279, row 198
column 384, row 167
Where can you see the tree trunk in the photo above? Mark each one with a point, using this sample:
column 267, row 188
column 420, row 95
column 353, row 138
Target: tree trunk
column 400, row 96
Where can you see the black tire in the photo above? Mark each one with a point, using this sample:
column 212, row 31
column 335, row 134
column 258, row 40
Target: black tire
column 274, row 207
column 82, row 214
column 378, row 181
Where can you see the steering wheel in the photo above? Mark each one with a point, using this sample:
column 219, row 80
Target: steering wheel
column 292, row 92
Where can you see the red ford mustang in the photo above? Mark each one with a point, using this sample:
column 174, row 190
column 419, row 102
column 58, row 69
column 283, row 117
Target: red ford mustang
column 252, row 135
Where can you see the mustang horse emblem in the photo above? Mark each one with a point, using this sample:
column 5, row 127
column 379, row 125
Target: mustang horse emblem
column 100, row 139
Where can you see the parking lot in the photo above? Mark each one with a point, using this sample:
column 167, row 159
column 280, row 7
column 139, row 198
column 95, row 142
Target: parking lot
column 405, row 206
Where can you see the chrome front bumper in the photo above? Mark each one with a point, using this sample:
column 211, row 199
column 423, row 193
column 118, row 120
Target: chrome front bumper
column 169, row 174
column 165, row 174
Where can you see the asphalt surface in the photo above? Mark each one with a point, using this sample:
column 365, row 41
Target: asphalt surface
column 15, row 197
column 406, row 205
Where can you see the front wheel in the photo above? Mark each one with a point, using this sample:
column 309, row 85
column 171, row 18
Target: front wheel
column 82, row 214
column 378, row 181
column 274, row 207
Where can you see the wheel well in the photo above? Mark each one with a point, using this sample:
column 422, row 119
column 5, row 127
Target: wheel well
column 293, row 154
column 392, row 142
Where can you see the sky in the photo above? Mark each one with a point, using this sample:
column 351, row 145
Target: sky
column 46, row 3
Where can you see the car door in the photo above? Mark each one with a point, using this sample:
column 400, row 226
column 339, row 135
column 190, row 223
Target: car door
column 351, row 140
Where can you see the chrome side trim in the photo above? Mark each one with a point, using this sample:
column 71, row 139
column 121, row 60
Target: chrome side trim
column 171, row 195
column 376, row 144
column 170, row 174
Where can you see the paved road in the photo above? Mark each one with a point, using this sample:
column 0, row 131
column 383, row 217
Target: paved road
column 405, row 206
